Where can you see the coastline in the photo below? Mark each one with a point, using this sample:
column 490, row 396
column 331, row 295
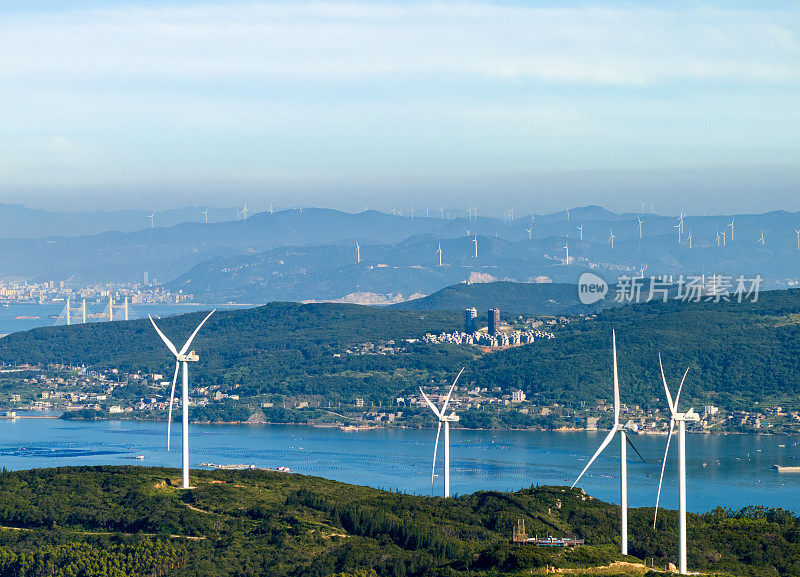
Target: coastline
column 384, row 427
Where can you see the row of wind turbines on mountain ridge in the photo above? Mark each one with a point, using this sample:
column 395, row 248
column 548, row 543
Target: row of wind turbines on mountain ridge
column 184, row 356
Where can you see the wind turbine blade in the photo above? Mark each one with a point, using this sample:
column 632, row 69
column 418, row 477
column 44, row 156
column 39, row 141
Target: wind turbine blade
column 678, row 396
column 163, row 337
column 435, row 447
column 430, row 403
column 603, row 445
column 666, row 388
column 616, row 379
column 171, row 401
column 453, row 386
column 191, row 338
column 663, row 465
column 628, row 438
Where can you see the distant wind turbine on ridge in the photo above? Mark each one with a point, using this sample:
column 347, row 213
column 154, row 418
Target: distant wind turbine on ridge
column 566, row 247
column 443, row 417
column 798, row 238
column 181, row 358
column 530, row 232
column 731, row 225
column 439, row 252
column 624, row 441
column 358, row 252
column 475, row 241
column 761, row 240
column 611, row 238
column 681, row 419
column 152, row 218
column 580, row 231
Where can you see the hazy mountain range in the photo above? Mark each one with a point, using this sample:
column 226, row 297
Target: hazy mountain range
column 310, row 254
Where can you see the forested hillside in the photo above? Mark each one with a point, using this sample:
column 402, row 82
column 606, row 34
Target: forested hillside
column 131, row 521
column 734, row 350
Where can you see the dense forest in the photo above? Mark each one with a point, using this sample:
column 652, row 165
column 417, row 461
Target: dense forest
column 127, row 521
column 735, row 351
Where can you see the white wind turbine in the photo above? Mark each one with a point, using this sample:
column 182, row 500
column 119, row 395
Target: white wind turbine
column 271, row 209
column 566, row 247
column 439, row 252
column 678, row 228
column 475, row 241
column 530, row 232
column 798, row 238
column 358, row 252
column 731, row 225
column 446, row 419
column 680, row 221
column 723, row 237
column 244, row 212
column 611, row 238
column 152, row 218
column 718, row 237
column 681, row 419
column 640, row 225
column 623, row 437
column 580, row 231
column 181, row 357
column 567, row 215
column 690, row 237
column 205, row 214
column 761, row 240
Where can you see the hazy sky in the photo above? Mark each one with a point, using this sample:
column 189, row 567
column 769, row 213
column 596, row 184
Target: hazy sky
column 539, row 104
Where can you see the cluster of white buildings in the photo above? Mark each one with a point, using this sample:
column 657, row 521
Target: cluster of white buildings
column 59, row 291
column 501, row 339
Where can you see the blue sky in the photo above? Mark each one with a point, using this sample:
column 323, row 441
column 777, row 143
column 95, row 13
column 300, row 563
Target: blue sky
column 691, row 105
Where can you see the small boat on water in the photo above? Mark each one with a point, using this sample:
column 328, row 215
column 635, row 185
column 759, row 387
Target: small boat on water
column 783, row 469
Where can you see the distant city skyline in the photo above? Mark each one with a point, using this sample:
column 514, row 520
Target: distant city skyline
column 372, row 104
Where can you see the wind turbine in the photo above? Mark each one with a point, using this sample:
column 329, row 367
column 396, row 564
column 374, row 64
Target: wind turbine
column 731, row 225
column 271, row 210
column 718, row 237
column 761, row 240
column 678, row 228
column 152, row 218
column 358, row 252
column 205, row 214
column 567, row 215
column 798, row 238
column 530, row 231
column 566, row 247
column 723, row 237
column 680, row 221
column 681, row 419
column 640, row 226
column 439, row 252
column 690, row 237
column 181, row 357
column 475, row 241
column 611, row 238
column 446, row 419
column 623, row 438
column 468, row 231
column 580, row 230
column 244, row 212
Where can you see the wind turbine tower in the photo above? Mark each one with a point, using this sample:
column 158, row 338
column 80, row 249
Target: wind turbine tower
column 731, row 225
column 530, row 232
column 611, row 238
column 798, row 238
column 761, row 240
column 205, row 215
column 443, row 417
column 624, row 441
column 152, row 218
column 690, row 237
column 681, row 419
column 580, row 231
column 640, row 227
column 358, row 253
column 439, row 252
column 566, row 247
column 475, row 241
column 182, row 358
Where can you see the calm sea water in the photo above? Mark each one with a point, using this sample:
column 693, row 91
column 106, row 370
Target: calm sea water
column 10, row 324
column 401, row 459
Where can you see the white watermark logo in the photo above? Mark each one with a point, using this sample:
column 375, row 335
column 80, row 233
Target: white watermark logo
column 591, row 288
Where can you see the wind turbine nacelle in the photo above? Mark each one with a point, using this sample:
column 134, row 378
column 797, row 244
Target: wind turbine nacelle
column 451, row 418
column 190, row 357
column 691, row 415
